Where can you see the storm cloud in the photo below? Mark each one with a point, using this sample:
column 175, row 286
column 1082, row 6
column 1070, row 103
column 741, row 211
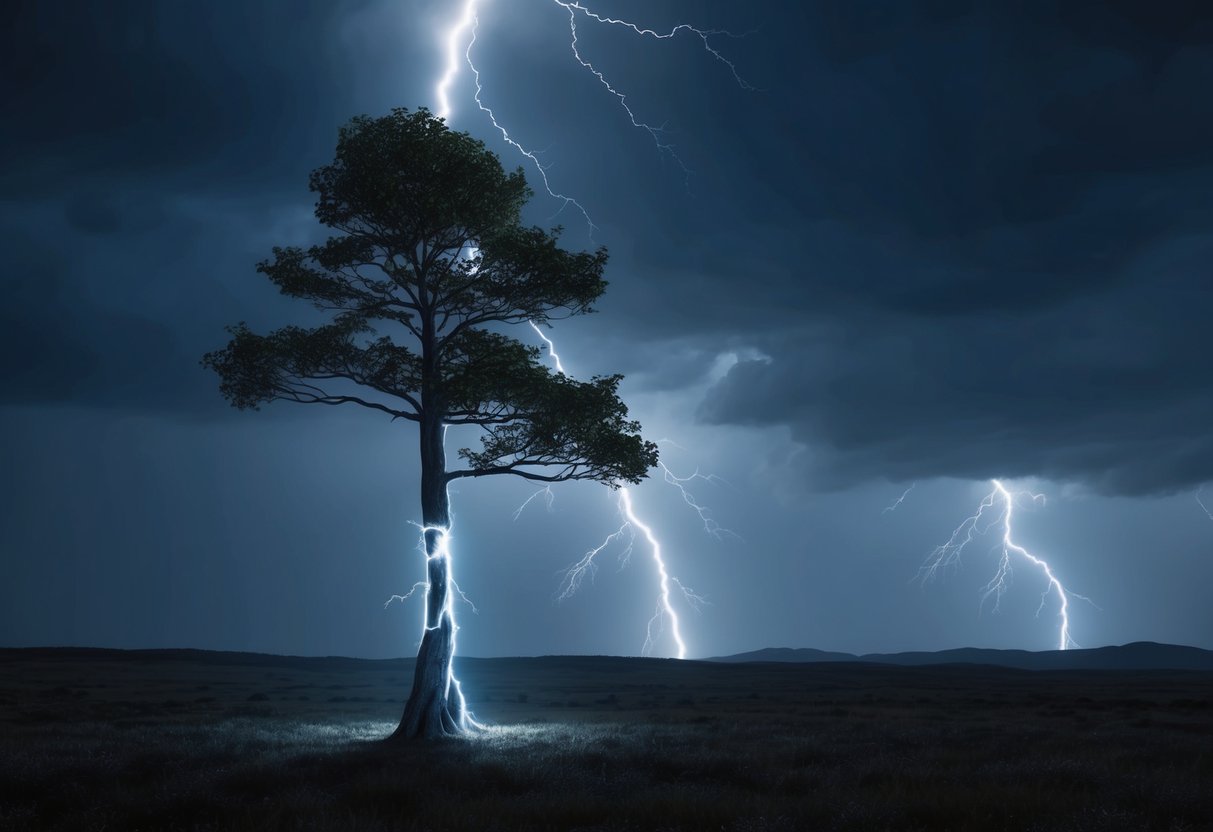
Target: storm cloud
column 937, row 241
column 1009, row 274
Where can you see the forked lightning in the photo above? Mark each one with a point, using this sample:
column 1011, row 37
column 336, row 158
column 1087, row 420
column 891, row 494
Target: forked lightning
column 1001, row 505
column 464, row 31
column 576, row 574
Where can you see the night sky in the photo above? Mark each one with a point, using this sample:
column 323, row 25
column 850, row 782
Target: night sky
column 940, row 242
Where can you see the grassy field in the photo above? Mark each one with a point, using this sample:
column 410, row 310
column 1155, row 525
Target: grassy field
column 183, row 740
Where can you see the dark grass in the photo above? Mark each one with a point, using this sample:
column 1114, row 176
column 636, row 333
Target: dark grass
column 180, row 740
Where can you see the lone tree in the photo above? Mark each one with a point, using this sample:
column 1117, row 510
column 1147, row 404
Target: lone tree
column 429, row 266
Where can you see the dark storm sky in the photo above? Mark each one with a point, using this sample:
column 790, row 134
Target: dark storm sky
column 941, row 242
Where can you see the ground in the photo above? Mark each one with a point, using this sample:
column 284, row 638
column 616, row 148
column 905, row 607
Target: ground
column 191, row 740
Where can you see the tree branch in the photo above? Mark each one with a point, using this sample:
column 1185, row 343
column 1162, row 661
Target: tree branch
column 571, row 472
column 303, row 397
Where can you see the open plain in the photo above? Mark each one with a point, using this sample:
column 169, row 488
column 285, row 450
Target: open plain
column 101, row 739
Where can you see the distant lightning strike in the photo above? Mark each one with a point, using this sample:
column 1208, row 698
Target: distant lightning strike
column 576, row 574
column 893, row 506
column 626, row 534
column 549, row 497
column 587, row 567
column 1201, row 503
column 948, row 554
column 709, row 524
column 465, row 27
column 665, row 610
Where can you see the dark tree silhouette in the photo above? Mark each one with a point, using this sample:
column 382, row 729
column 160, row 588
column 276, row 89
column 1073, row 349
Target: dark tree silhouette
column 429, row 266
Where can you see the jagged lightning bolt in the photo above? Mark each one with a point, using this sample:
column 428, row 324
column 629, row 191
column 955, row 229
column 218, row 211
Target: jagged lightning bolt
column 709, row 524
column 549, row 497
column 552, row 354
column 406, row 596
column 1201, row 503
column 465, row 28
column 587, row 567
column 576, row 574
column 467, row 19
column 948, row 554
column 893, row 506
column 665, row 610
column 566, row 201
column 655, row 132
column 704, row 35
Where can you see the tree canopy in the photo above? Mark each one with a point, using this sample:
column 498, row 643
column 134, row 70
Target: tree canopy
column 428, row 268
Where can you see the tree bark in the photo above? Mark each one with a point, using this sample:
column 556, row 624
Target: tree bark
column 435, row 707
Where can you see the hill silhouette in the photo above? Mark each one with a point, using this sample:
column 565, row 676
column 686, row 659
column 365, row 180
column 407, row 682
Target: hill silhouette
column 1139, row 655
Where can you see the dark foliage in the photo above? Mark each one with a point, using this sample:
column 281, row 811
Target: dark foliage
column 429, row 266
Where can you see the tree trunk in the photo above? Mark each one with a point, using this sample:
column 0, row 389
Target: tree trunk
column 435, row 707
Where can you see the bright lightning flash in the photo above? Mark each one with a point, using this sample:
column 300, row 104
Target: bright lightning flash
column 466, row 22
column 948, row 554
column 665, row 611
column 551, row 349
column 576, row 574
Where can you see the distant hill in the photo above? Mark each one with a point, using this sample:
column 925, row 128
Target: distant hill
column 161, row 655
column 1140, row 655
